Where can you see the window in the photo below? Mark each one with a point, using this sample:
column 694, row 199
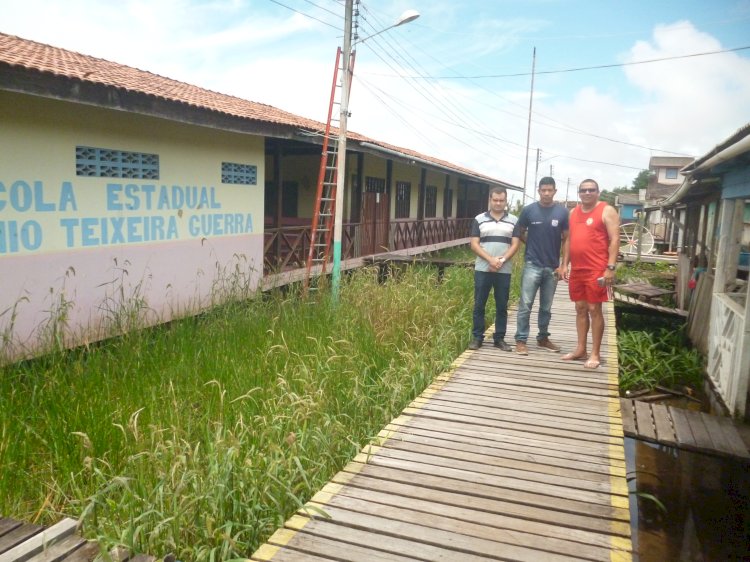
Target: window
column 109, row 163
column 403, row 199
column 671, row 173
column 447, row 203
column 374, row 185
column 430, row 202
column 242, row 174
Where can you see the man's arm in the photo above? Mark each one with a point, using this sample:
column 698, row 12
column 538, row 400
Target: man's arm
column 565, row 262
column 563, row 267
column 515, row 244
column 611, row 220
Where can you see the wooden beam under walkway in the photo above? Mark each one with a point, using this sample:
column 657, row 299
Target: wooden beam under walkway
column 503, row 457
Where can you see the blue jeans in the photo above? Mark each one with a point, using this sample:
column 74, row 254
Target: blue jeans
column 500, row 285
column 535, row 279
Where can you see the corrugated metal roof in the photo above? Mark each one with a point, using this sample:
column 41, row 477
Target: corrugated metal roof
column 33, row 56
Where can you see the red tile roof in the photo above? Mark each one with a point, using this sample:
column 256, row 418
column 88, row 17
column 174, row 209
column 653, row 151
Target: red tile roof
column 34, row 56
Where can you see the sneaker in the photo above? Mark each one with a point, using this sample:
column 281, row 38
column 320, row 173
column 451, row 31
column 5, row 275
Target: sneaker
column 502, row 346
column 548, row 345
column 475, row 343
column 521, row 348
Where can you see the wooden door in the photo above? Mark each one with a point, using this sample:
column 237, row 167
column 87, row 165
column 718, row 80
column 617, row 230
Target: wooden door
column 375, row 223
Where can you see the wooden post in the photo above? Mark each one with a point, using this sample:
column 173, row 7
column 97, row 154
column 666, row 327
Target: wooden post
column 725, row 225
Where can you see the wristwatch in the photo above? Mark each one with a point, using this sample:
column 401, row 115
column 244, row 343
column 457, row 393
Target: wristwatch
column 611, row 267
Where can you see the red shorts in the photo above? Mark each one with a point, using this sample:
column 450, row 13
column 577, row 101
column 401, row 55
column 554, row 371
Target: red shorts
column 583, row 286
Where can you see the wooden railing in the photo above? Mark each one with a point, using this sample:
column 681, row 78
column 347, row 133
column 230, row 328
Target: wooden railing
column 286, row 248
column 727, row 343
column 412, row 233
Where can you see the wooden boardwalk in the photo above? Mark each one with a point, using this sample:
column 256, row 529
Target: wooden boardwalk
column 677, row 427
column 504, row 457
column 25, row 542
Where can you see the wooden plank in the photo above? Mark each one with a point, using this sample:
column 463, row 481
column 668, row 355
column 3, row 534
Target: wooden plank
column 716, row 433
column 499, row 457
column 269, row 552
column 502, row 435
column 700, row 433
column 334, row 548
column 627, row 410
column 514, row 401
column 510, row 445
column 530, row 474
column 39, row 541
column 663, row 424
column 469, row 514
column 447, row 482
column 7, row 525
column 597, row 452
column 60, row 550
column 643, row 420
column 365, row 538
column 15, row 537
column 531, row 419
column 454, row 538
column 570, row 402
column 87, row 553
column 543, row 432
column 583, row 521
column 681, row 427
column 736, row 445
column 447, row 518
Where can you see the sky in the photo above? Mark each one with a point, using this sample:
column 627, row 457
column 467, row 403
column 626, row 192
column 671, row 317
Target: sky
column 456, row 83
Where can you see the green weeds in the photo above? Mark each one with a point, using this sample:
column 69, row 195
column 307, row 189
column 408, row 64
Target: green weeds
column 200, row 437
column 661, row 357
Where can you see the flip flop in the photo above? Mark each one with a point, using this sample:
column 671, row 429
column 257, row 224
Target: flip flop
column 571, row 357
column 591, row 364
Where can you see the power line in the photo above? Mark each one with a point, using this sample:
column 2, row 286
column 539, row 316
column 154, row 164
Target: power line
column 614, row 65
column 306, row 15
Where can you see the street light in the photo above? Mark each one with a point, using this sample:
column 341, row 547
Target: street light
column 406, row 17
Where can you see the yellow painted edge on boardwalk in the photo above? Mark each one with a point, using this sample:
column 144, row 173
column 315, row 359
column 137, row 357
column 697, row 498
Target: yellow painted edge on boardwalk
column 621, row 548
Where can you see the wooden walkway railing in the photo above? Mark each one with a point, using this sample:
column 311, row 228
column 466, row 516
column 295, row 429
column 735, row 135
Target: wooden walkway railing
column 504, row 457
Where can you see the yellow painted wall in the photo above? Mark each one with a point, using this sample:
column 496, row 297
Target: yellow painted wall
column 39, row 187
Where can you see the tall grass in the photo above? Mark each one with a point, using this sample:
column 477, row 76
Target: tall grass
column 201, row 436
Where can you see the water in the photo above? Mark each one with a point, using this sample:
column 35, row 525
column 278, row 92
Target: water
column 707, row 503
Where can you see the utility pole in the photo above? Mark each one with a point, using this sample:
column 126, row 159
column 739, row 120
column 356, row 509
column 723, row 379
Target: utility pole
column 528, row 128
column 346, row 78
column 536, row 170
column 567, row 192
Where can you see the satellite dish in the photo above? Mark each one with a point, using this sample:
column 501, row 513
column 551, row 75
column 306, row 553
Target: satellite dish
column 631, row 234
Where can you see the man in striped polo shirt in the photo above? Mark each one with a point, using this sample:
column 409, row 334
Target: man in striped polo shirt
column 493, row 243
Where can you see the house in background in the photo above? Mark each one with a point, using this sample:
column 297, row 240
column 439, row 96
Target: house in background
column 665, row 176
column 712, row 211
column 628, row 205
column 129, row 199
column 664, row 179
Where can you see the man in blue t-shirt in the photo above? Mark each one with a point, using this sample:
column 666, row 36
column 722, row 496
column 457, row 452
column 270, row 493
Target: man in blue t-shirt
column 543, row 226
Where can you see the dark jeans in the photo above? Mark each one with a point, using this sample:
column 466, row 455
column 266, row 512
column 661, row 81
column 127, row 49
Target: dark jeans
column 500, row 284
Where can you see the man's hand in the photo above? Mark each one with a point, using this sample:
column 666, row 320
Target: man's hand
column 609, row 277
column 496, row 263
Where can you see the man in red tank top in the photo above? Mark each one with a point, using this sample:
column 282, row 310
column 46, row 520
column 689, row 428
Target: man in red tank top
column 591, row 250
